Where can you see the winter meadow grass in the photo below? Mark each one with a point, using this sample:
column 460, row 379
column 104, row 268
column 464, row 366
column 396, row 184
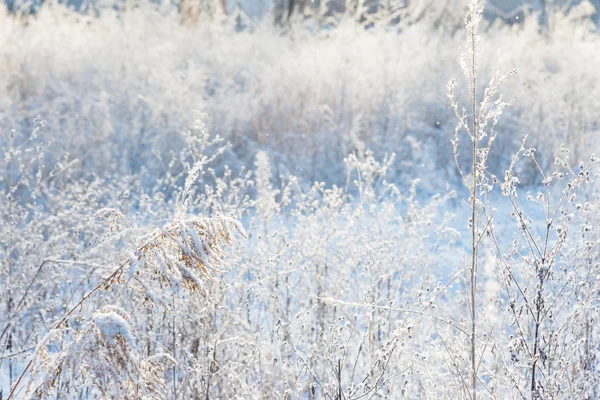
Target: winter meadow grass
column 391, row 201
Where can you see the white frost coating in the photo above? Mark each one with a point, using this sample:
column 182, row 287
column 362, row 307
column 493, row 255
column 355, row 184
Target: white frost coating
column 112, row 325
column 198, row 244
column 350, row 285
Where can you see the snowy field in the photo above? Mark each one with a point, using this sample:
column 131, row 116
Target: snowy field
column 308, row 200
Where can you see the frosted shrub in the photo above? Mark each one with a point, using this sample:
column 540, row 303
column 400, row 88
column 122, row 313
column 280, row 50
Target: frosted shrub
column 536, row 272
column 328, row 317
column 41, row 201
column 99, row 358
column 178, row 255
column 71, row 262
column 548, row 282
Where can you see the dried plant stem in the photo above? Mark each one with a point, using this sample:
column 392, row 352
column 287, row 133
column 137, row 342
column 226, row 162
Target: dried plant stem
column 536, row 339
column 103, row 283
column 474, row 239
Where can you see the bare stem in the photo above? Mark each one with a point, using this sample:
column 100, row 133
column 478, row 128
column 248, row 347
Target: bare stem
column 474, row 235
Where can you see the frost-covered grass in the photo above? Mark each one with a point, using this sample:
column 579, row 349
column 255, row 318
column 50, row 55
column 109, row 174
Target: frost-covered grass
column 126, row 83
column 134, row 147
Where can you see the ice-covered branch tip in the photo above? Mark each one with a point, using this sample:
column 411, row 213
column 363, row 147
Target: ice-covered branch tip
column 177, row 252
